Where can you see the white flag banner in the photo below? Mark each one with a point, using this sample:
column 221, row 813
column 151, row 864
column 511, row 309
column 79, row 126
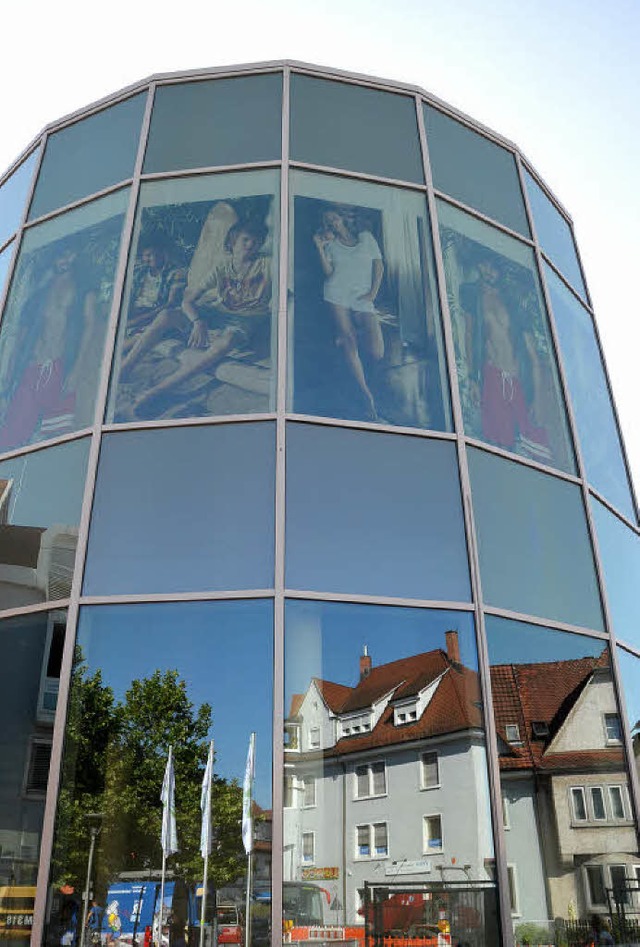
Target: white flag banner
column 205, row 805
column 167, row 798
column 247, row 793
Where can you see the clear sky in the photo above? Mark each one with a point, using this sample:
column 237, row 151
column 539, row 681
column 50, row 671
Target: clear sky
column 561, row 79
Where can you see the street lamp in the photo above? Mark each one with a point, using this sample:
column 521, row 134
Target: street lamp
column 94, row 820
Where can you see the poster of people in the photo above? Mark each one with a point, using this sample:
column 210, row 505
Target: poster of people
column 366, row 334
column 196, row 335
column 507, row 376
column 53, row 331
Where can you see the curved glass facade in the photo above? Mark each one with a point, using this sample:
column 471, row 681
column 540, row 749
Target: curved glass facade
column 317, row 539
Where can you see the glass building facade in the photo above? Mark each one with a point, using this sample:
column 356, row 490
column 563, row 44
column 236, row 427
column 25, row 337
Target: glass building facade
column 307, row 444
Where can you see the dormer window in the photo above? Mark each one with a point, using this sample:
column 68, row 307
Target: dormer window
column 512, row 731
column 405, row 714
column 539, row 729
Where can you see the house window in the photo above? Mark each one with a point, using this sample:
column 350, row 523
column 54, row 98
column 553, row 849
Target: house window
column 505, row 812
column 309, row 787
column 37, row 774
column 512, row 731
column 430, row 770
column 597, row 803
column 432, row 833
column 616, row 798
column 579, row 805
column 612, row 728
column 292, row 736
column 288, row 790
column 621, row 894
column 513, row 889
column 371, row 780
column 314, row 737
column 372, row 841
column 308, row 848
column 595, row 885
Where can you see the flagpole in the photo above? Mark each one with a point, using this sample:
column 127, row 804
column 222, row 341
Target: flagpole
column 161, row 911
column 168, row 837
column 247, row 832
column 205, row 835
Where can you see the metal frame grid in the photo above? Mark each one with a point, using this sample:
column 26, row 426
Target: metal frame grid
column 279, row 593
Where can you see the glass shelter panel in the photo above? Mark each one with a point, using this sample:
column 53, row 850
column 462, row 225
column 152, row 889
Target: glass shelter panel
column 554, row 234
column 13, row 196
column 507, row 375
column 215, row 122
column 619, row 549
column 569, row 830
column 629, row 665
column 197, row 334
column 40, row 504
column 367, row 341
column 53, row 330
column 474, row 170
column 587, row 383
column 348, row 126
column 92, row 154
column 534, row 547
column 30, row 656
column 5, row 261
column 149, row 680
column 378, row 514
column 183, row 510
column 376, row 700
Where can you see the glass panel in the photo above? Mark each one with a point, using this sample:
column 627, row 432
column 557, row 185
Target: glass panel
column 629, row 666
column 28, row 678
column 507, row 374
column 13, row 195
column 474, row 170
column 40, row 505
column 148, row 678
column 54, row 324
column 5, row 260
column 196, row 334
column 352, row 127
column 76, row 162
column 187, row 119
column 346, row 663
column 592, row 408
column 374, row 513
column 183, row 510
column 619, row 549
column 367, row 342
column 527, row 523
column 554, row 234
column 565, row 835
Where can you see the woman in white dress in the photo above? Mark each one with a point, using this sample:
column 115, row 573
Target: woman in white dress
column 352, row 264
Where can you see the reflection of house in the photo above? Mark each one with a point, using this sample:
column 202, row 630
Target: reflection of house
column 387, row 779
column 567, row 812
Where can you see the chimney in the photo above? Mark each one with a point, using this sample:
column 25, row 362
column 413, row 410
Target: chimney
column 365, row 664
column 453, row 646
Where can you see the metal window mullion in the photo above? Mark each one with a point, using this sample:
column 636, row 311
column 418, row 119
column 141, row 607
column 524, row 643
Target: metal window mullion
column 279, row 538
column 491, row 750
column 46, row 846
column 632, row 774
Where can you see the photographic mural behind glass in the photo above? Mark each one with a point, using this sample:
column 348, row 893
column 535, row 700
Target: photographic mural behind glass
column 152, row 686
column 54, row 324
column 572, row 850
column 196, row 325
column 367, row 341
column 386, row 822
column 507, row 375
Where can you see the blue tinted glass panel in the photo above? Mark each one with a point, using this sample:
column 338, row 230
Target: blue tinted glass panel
column 554, row 234
column 534, row 547
column 5, row 260
column 507, row 374
column 352, row 127
column 197, row 331
column 183, row 510
column 629, row 665
column 54, row 324
column 367, row 340
column 374, row 513
column 217, row 122
column 13, row 195
column 474, row 170
column 93, row 154
column 619, row 549
column 593, row 411
column 40, row 501
column 147, row 678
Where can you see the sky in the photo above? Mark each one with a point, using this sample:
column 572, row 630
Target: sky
column 561, row 78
